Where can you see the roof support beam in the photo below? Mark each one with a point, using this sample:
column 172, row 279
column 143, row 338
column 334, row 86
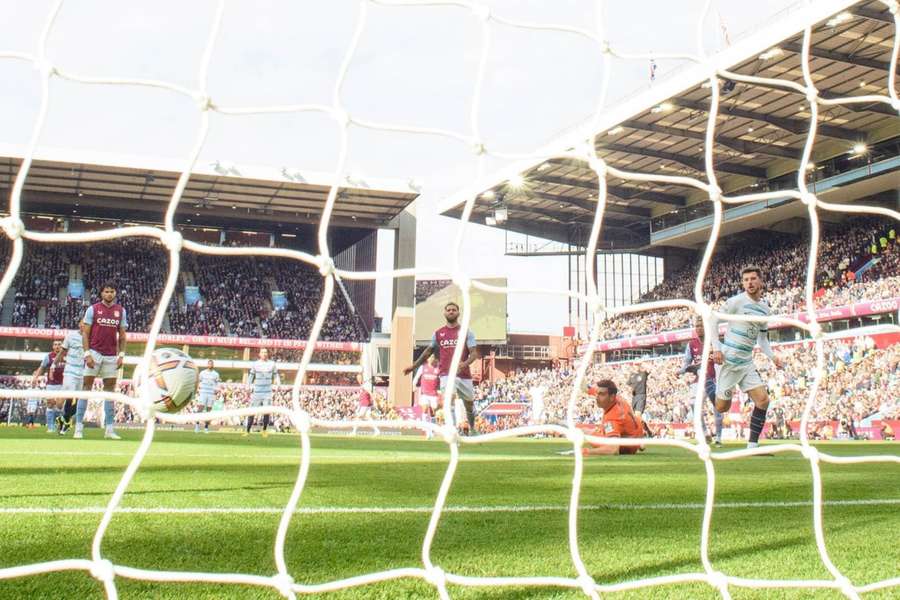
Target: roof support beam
column 692, row 163
column 798, row 126
column 872, row 15
column 620, row 192
column 857, row 61
column 627, row 212
column 739, row 145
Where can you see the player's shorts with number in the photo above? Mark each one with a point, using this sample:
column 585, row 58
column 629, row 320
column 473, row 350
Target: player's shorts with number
column 72, row 382
column 31, row 406
column 207, row 400
column 744, row 376
column 104, row 366
column 261, row 400
column 428, row 401
column 465, row 389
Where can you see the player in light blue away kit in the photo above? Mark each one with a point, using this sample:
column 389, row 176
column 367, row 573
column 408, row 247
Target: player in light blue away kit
column 735, row 354
column 72, row 353
column 263, row 376
column 208, row 383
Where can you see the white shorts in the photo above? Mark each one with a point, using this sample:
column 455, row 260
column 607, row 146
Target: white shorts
column 261, row 400
column 54, row 387
column 465, row 389
column 72, row 382
column 428, row 401
column 104, row 366
column 206, row 400
column 744, row 376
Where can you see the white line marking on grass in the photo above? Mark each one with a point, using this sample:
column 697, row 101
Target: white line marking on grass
column 162, row 510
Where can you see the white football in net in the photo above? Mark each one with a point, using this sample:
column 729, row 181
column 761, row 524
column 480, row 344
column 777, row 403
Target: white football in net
column 172, row 380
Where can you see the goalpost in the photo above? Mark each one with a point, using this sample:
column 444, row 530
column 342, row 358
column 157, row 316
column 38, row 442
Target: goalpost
column 577, row 145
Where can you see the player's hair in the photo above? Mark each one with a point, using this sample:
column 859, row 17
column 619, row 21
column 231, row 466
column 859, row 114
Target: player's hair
column 109, row 284
column 751, row 269
column 452, row 303
column 609, row 384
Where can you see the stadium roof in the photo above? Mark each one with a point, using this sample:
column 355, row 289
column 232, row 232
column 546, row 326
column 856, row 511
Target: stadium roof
column 221, row 193
column 760, row 134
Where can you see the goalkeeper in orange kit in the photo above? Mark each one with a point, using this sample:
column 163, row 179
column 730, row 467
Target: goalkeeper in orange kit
column 619, row 420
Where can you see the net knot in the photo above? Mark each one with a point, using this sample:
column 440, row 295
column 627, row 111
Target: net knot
column 103, row 570
column 576, row 436
column 605, row 47
column 478, row 148
column 810, row 453
column 815, row 330
column 203, row 101
column 718, row 580
column 703, row 452
column 595, row 305
column 463, row 282
column 436, row 577
column 173, row 240
column 13, row 227
column 846, row 587
column 715, row 193
column 450, row 434
column 588, row 585
column 481, row 11
column 808, row 198
column 597, row 164
column 341, row 116
column 326, row 266
column 812, row 96
column 301, row 420
column 895, row 104
column 45, row 67
column 284, row 583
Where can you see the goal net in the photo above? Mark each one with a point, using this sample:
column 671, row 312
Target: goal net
column 578, row 145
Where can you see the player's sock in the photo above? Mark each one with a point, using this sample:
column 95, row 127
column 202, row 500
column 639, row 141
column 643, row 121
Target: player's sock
column 265, row 421
column 69, row 411
column 80, row 410
column 51, row 419
column 757, row 422
column 250, row 420
column 719, row 419
column 109, row 413
column 470, row 416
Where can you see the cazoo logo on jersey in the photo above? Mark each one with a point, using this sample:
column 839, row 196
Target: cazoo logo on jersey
column 108, row 321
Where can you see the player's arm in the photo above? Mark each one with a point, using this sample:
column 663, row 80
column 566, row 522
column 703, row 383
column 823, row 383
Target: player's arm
column 762, row 339
column 86, row 325
column 123, row 339
column 45, row 362
column 251, row 376
column 428, row 351
column 418, row 375
column 717, row 355
column 474, row 355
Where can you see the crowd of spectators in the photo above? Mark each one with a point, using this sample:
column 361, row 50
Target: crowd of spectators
column 235, row 292
column 843, row 250
column 425, row 288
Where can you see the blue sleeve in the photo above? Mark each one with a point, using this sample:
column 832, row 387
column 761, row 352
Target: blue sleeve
column 89, row 316
column 45, row 363
column 470, row 339
column 124, row 321
column 434, row 343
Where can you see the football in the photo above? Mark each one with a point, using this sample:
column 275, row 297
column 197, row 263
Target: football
column 172, row 379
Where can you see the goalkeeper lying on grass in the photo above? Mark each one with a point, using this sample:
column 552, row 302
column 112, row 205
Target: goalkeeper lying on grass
column 618, row 421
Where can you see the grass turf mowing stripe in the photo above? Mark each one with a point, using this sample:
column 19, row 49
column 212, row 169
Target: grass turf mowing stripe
column 448, row 509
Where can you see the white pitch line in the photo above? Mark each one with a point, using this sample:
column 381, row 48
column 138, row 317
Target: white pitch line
column 162, row 510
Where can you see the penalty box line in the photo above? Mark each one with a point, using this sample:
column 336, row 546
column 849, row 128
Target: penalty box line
column 90, row 510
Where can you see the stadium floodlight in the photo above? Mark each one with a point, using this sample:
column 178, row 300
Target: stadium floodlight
column 223, row 167
column 501, row 214
column 516, row 182
column 490, row 221
column 615, row 130
column 838, row 19
column 859, row 149
column 294, row 175
column 663, row 107
column 771, row 53
column 488, row 195
column 415, row 184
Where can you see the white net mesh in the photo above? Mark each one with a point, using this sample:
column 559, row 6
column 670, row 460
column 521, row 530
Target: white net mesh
column 282, row 581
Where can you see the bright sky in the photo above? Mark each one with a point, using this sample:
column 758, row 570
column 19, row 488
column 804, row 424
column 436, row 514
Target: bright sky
column 414, row 66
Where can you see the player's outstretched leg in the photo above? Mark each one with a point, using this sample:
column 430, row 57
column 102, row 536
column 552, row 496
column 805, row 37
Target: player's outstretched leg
column 265, row 431
column 109, row 416
column 250, row 420
column 68, row 414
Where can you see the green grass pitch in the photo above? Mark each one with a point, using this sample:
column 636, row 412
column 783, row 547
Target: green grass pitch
column 640, row 515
